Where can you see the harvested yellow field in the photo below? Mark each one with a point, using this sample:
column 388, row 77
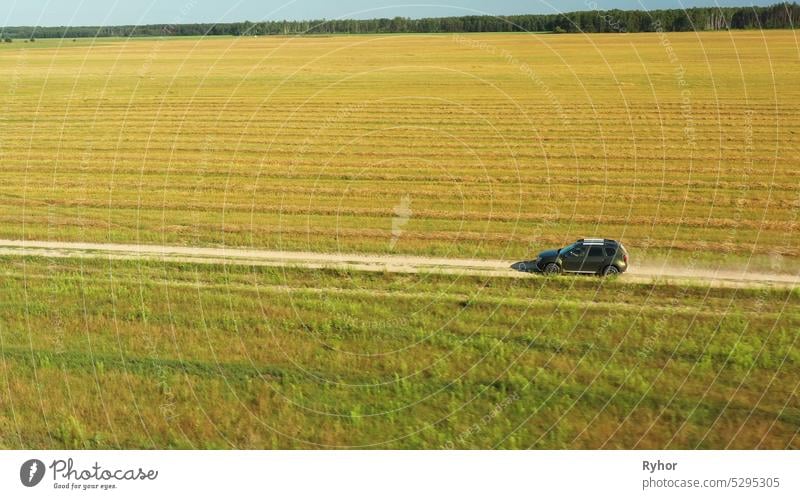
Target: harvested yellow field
column 487, row 145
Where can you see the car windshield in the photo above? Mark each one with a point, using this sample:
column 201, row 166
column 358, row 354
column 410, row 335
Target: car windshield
column 568, row 249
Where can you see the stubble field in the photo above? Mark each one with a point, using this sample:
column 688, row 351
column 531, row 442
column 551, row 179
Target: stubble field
column 488, row 145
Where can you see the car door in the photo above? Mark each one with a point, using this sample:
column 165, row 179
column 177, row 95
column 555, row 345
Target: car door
column 595, row 260
column 573, row 259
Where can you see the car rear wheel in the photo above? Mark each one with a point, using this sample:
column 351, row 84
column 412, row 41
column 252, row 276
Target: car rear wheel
column 552, row 269
column 610, row 271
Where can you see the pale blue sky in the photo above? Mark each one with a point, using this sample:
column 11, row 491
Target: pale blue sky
column 110, row 12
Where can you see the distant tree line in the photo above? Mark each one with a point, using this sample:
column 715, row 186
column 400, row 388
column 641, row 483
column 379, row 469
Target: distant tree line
column 782, row 15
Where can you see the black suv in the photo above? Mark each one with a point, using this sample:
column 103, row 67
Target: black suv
column 585, row 256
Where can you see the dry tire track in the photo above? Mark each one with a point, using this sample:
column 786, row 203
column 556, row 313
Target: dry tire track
column 372, row 263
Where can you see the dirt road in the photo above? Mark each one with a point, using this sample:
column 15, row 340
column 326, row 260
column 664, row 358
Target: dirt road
column 376, row 263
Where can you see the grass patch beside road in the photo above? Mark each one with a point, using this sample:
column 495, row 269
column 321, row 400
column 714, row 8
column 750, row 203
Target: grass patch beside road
column 108, row 354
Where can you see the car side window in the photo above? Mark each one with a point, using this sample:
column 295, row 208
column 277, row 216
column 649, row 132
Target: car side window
column 576, row 251
column 610, row 251
column 596, row 251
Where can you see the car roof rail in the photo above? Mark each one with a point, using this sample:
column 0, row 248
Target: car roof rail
column 597, row 240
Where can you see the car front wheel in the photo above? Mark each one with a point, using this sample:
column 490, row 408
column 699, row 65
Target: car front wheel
column 552, row 269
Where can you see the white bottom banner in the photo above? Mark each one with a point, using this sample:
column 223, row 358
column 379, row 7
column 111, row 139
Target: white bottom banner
column 400, row 474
